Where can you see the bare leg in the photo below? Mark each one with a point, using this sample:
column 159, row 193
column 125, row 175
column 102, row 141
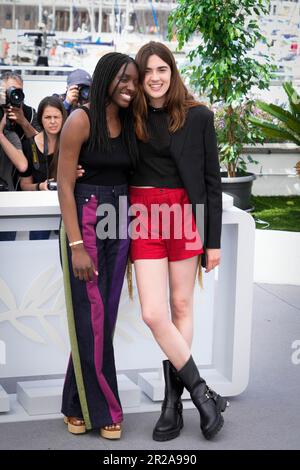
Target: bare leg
column 182, row 275
column 152, row 283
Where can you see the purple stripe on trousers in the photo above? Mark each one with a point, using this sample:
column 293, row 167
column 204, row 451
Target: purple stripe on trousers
column 89, row 219
column 117, row 282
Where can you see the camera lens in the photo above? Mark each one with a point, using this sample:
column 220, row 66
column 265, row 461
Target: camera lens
column 84, row 92
column 52, row 185
column 15, row 96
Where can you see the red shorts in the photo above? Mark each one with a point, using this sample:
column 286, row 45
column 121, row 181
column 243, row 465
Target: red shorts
column 163, row 225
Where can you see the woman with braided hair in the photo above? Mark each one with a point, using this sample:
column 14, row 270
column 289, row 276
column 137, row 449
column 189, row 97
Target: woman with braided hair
column 100, row 137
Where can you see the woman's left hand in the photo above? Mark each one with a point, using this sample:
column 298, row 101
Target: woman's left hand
column 213, row 258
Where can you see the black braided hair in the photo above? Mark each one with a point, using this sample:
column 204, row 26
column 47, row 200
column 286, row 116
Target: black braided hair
column 105, row 72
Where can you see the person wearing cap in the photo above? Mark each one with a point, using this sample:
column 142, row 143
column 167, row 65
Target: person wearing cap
column 78, row 85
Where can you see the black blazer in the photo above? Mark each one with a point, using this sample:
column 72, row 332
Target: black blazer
column 194, row 148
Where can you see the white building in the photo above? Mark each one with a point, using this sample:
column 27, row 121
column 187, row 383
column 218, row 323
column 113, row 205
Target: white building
column 91, row 15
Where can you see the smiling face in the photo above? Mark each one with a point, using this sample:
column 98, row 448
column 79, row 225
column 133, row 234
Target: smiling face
column 52, row 120
column 123, row 88
column 157, row 80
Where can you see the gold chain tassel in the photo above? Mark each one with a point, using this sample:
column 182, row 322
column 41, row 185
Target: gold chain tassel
column 129, row 279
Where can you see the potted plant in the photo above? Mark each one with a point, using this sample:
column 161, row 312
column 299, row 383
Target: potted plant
column 223, row 70
column 236, row 181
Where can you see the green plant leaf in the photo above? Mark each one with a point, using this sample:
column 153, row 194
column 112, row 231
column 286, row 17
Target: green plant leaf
column 292, row 122
column 273, row 131
column 221, row 69
column 294, row 98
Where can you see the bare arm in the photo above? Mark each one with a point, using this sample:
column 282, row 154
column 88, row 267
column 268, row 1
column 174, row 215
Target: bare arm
column 15, row 154
column 27, row 184
column 75, row 132
column 17, row 115
column 73, row 135
column 29, row 131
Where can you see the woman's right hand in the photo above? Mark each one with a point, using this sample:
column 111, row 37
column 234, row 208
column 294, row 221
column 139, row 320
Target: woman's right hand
column 83, row 266
column 43, row 186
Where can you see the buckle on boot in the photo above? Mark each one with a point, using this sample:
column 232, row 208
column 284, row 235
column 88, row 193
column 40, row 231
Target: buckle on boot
column 210, row 393
column 179, row 406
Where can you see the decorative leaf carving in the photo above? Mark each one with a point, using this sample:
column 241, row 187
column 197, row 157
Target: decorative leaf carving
column 52, row 333
column 7, row 296
column 38, row 285
column 40, row 292
column 48, row 293
column 27, row 331
column 59, row 302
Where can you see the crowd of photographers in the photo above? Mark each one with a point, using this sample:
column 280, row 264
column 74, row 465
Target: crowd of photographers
column 29, row 140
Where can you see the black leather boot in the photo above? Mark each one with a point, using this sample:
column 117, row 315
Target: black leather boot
column 170, row 421
column 209, row 403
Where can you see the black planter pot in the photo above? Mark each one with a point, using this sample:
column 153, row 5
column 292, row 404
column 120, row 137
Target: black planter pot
column 239, row 188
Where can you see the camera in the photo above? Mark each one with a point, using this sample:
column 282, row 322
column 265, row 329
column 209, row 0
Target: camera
column 14, row 97
column 83, row 93
column 10, row 97
column 52, row 185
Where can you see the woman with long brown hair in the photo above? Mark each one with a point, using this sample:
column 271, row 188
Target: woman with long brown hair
column 42, row 149
column 178, row 168
column 41, row 152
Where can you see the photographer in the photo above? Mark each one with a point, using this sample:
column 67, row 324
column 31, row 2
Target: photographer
column 11, row 158
column 78, row 86
column 20, row 117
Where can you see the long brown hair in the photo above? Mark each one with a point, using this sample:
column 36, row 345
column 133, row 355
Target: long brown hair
column 54, row 102
column 178, row 99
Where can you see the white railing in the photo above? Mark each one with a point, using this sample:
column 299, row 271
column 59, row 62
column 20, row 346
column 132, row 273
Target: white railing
column 92, row 3
column 33, row 71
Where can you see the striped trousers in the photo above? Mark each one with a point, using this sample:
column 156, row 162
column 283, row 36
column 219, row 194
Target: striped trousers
column 90, row 389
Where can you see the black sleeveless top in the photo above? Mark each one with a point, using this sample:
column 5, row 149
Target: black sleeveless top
column 105, row 169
